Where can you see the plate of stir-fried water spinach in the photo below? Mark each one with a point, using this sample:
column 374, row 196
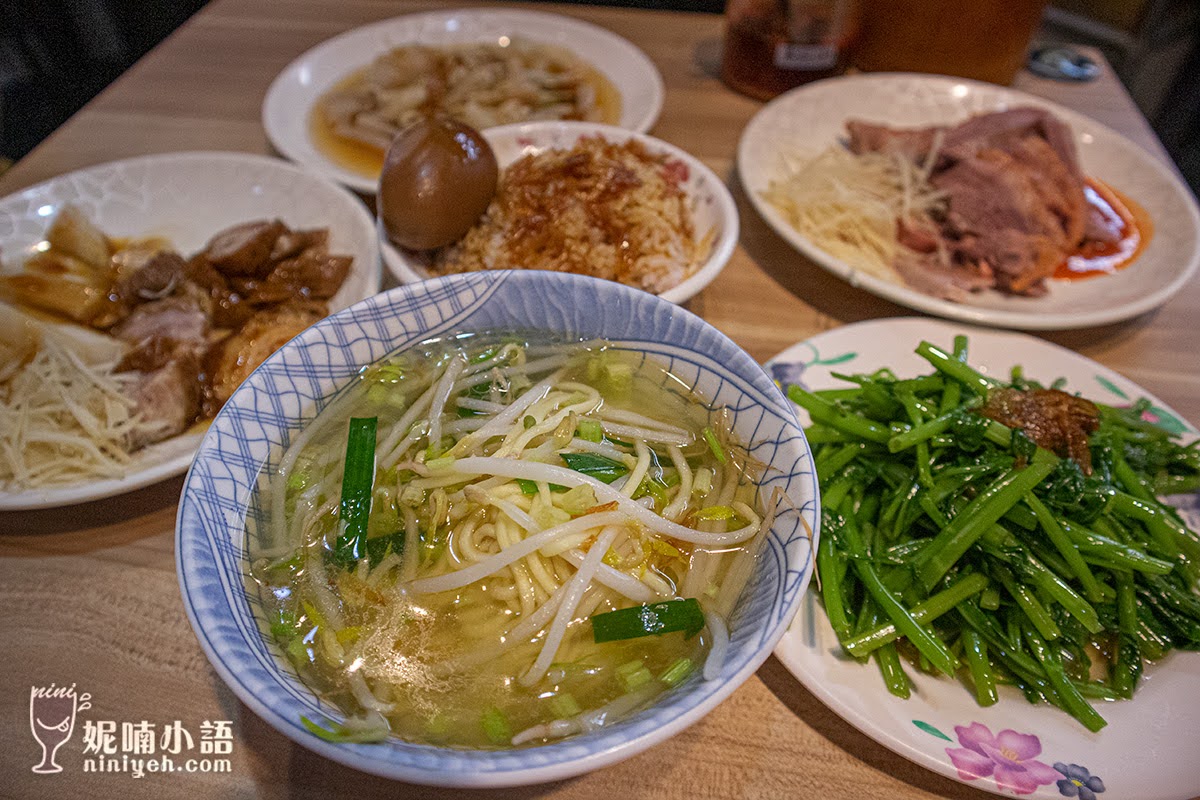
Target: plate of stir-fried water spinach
column 1009, row 559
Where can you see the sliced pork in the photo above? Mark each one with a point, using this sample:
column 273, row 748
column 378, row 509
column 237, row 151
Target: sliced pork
column 1015, row 200
column 168, row 398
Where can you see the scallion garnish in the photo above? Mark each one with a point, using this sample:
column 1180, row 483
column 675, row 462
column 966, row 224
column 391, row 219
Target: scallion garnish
column 601, row 468
column 714, row 445
column 649, row 620
column 358, row 479
column 590, row 431
column 341, row 734
column 495, row 726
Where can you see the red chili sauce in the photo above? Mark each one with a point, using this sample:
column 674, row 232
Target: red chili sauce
column 1104, row 258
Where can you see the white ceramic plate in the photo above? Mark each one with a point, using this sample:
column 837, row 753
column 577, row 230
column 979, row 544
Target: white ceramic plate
column 291, row 97
column 712, row 206
column 185, row 198
column 810, row 119
column 1148, row 749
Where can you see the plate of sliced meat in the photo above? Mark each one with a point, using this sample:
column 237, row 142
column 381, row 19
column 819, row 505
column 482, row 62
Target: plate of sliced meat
column 971, row 201
column 136, row 296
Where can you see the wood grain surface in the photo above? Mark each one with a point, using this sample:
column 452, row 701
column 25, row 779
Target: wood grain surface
column 88, row 594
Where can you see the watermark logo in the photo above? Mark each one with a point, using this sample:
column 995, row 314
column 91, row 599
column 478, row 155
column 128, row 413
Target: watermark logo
column 132, row 748
column 52, row 711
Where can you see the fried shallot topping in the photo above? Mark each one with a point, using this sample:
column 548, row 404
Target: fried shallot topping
column 1055, row 420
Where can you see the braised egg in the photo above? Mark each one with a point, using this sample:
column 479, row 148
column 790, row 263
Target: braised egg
column 438, row 178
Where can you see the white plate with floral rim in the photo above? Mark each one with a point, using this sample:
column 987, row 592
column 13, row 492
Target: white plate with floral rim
column 1148, row 749
column 805, row 121
column 289, row 102
column 184, row 198
column 714, row 214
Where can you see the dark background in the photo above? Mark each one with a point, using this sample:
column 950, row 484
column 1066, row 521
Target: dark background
column 55, row 55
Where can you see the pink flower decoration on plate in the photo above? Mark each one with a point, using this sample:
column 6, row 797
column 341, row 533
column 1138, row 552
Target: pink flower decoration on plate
column 1009, row 757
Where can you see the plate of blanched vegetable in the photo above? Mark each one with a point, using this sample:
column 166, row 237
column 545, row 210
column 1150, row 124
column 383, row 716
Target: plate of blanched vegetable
column 1006, row 584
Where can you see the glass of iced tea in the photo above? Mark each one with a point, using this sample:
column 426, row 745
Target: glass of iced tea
column 981, row 39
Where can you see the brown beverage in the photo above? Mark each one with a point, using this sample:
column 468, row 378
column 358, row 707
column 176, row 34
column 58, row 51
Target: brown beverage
column 981, row 39
column 775, row 45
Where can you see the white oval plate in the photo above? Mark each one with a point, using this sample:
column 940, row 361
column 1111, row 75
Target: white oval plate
column 1148, row 749
column 291, row 97
column 185, row 198
column 807, row 120
column 712, row 205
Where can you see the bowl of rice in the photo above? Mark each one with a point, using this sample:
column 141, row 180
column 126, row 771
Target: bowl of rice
column 593, row 200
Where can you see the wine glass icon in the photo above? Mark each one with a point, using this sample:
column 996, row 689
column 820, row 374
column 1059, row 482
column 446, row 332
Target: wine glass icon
column 52, row 720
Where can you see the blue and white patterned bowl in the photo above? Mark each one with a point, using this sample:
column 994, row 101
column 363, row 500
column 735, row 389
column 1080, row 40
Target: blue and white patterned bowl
column 283, row 395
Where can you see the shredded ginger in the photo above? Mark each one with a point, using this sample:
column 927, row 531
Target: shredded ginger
column 848, row 205
column 63, row 420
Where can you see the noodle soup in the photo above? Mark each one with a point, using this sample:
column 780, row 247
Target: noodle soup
column 493, row 541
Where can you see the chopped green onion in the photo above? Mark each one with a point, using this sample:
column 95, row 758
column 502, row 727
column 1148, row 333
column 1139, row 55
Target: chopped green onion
column 716, row 512
column 495, row 726
column 602, row 469
column 338, row 733
column 285, row 626
column 437, row 726
column 702, row 481
column 651, row 487
column 715, row 446
column 630, row 667
column 531, row 487
column 564, row 706
column 649, row 620
column 676, row 672
column 590, row 431
column 357, row 482
column 301, row 475
column 442, row 464
column 298, row 650
column 635, row 679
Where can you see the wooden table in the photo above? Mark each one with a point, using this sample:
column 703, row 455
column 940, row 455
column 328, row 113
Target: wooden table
column 88, row 594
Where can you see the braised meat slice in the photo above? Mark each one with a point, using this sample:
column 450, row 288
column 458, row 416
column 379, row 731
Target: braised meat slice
column 911, row 143
column 168, row 398
column 997, row 215
column 231, row 361
column 1013, row 188
column 1001, row 129
column 1055, row 420
column 311, row 275
column 245, row 249
column 154, row 280
column 229, row 308
column 925, row 272
column 179, row 318
column 1056, row 184
column 292, row 243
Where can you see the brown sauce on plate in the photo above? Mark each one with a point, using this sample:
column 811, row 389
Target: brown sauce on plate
column 367, row 161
